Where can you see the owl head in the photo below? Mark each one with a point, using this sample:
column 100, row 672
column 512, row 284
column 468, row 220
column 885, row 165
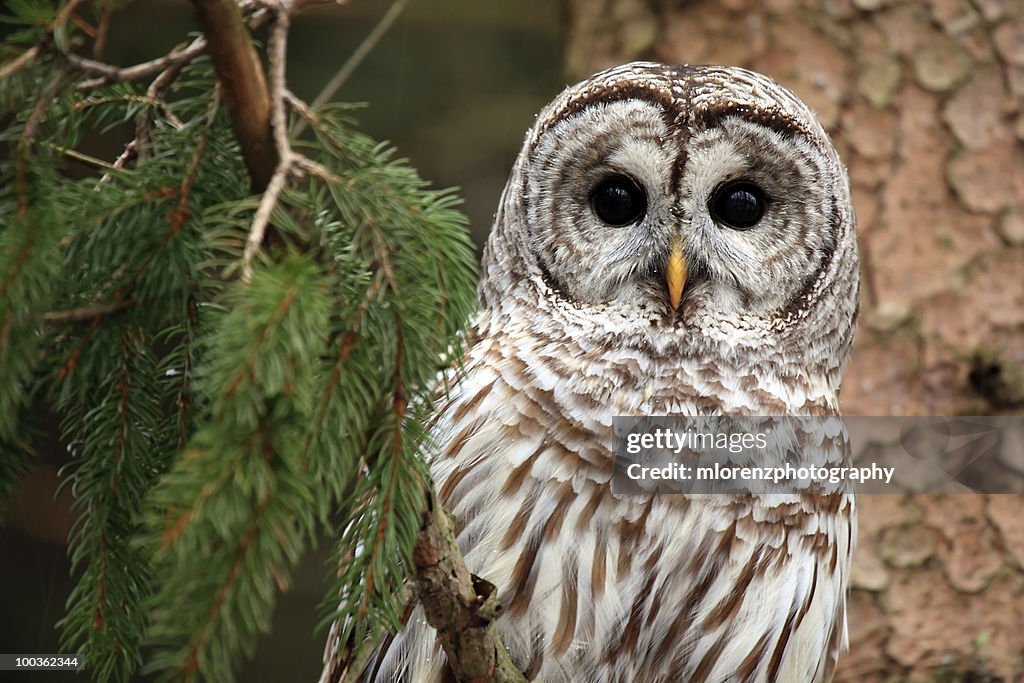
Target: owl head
column 683, row 208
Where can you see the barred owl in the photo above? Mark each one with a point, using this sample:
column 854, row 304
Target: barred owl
column 671, row 241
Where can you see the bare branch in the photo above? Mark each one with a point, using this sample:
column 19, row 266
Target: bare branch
column 319, row 170
column 112, row 74
column 143, row 121
column 261, row 220
column 81, row 158
column 19, row 62
column 355, row 59
column 277, row 57
column 99, row 46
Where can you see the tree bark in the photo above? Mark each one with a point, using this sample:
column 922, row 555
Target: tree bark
column 924, row 102
column 462, row 607
column 243, row 85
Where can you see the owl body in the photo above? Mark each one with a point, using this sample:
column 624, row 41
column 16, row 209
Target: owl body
column 672, row 241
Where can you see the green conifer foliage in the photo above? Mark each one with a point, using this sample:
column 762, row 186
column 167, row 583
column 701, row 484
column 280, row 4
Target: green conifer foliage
column 220, row 409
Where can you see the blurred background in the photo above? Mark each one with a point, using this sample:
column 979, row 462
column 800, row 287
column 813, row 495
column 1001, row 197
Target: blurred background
column 925, row 102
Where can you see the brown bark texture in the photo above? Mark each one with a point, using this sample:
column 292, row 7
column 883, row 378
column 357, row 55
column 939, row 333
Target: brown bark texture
column 462, row 607
column 242, row 83
column 925, row 103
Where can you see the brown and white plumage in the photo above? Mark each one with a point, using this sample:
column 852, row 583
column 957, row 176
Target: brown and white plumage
column 576, row 326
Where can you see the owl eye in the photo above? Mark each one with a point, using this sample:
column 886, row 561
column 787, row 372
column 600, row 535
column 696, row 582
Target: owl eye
column 739, row 205
column 618, row 200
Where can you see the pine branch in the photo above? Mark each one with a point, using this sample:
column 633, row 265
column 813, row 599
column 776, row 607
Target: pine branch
column 28, row 139
column 30, row 267
column 180, row 214
column 281, row 386
column 243, row 85
column 238, row 501
column 139, row 255
column 111, row 433
column 137, row 147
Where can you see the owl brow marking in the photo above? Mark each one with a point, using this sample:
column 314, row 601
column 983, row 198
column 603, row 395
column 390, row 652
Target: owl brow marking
column 652, row 94
column 769, row 117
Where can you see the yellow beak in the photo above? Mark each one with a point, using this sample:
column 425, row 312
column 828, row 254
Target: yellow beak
column 675, row 274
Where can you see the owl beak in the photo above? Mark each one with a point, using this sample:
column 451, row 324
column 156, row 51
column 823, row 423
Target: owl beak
column 675, row 274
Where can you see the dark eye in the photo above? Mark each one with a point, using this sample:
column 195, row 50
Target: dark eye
column 738, row 205
column 619, row 200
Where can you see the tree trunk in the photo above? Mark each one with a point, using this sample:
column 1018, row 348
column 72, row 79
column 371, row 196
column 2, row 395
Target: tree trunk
column 924, row 102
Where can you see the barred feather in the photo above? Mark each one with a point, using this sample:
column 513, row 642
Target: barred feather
column 574, row 329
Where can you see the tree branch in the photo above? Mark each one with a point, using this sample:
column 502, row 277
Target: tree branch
column 277, row 57
column 107, row 73
column 28, row 138
column 355, row 59
column 87, row 312
column 19, row 62
column 462, row 607
column 44, row 45
column 243, row 85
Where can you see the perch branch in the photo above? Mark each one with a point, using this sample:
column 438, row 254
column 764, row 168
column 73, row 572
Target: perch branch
column 462, row 607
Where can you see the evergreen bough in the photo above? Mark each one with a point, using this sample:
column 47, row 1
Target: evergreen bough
column 225, row 387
